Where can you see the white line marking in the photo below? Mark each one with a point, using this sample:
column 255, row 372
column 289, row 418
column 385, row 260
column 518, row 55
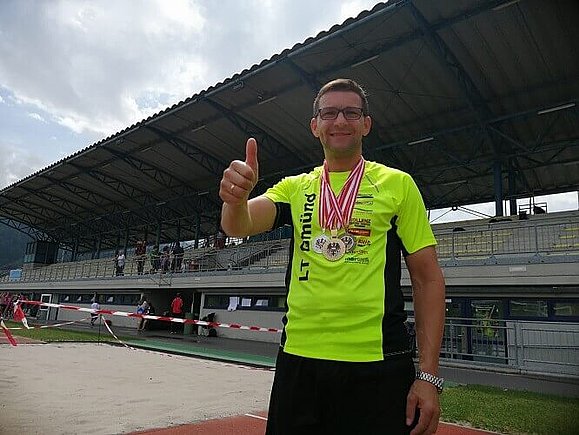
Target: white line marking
column 256, row 416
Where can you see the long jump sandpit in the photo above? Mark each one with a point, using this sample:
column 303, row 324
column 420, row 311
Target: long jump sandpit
column 77, row 388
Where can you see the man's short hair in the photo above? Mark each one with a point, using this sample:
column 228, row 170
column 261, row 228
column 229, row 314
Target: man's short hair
column 342, row 85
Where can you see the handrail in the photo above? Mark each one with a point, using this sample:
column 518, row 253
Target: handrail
column 534, row 239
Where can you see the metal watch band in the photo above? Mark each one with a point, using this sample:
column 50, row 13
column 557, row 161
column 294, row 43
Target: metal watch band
column 434, row 380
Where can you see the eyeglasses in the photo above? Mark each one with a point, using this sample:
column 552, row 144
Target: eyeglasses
column 350, row 113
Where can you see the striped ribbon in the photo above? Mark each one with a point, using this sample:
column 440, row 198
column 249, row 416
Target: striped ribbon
column 337, row 212
column 150, row 317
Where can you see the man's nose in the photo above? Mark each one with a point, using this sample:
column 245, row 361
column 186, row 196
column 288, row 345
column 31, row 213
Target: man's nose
column 341, row 118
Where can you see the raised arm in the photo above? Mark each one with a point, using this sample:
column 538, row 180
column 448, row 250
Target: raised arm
column 429, row 306
column 240, row 217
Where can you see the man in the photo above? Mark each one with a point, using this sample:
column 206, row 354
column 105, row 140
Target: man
column 121, row 263
column 140, row 255
column 345, row 362
column 94, row 306
column 176, row 311
column 178, row 253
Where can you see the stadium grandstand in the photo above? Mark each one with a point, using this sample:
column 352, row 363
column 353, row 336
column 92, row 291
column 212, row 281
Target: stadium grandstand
column 478, row 100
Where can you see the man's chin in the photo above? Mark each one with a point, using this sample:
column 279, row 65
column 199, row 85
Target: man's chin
column 342, row 149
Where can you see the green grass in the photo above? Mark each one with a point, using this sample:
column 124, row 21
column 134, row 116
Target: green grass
column 508, row 411
column 59, row 334
column 495, row 409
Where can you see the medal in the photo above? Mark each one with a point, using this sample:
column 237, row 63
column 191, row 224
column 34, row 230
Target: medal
column 334, row 248
column 349, row 241
column 335, row 213
column 319, row 243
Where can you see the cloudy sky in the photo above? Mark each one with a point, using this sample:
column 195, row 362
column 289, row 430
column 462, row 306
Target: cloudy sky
column 74, row 72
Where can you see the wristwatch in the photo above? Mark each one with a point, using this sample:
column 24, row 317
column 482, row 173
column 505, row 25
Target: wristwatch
column 431, row 379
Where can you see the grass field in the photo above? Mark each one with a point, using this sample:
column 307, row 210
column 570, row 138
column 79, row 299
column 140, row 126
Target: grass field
column 504, row 411
column 58, row 334
column 508, row 411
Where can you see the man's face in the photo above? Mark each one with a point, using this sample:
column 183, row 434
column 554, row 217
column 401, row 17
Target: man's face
column 341, row 137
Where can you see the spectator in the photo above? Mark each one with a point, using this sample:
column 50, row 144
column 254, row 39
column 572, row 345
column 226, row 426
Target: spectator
column 165, row 259
column 176, row 311
column 121, row 263
column 94, row 316
column 155, row 259
column 143, row 308
column 140, row 255
column 177, row 257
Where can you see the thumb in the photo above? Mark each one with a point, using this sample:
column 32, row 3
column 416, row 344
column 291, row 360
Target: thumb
column 251, row 155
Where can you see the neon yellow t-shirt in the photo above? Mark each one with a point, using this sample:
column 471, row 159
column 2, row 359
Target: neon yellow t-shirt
column 351, row 309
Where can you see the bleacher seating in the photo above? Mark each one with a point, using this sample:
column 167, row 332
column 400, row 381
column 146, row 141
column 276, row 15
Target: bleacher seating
column 544, row 236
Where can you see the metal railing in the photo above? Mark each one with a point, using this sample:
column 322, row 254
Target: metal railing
column 513, row 240
column 525, row 346
column 526, row 240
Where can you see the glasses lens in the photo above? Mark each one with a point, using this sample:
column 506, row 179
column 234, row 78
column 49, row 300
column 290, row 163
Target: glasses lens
column 329, row 113
column 352, row 113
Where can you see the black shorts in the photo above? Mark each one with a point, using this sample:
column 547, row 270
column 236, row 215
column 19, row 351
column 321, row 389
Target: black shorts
column 313, row 396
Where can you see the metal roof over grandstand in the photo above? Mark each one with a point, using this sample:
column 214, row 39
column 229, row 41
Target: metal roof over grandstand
column 478, row 100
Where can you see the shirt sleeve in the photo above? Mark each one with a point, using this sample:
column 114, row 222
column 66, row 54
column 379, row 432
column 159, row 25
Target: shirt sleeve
column 413, row 227
column 279, row 192
column 280, row 195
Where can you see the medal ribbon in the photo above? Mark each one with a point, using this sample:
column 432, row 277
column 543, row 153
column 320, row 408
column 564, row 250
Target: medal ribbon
column 335, row 213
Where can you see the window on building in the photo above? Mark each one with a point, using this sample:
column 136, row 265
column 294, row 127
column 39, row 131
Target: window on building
column 216, row 301
column 245, row 302
column 487, row 309
column 528, row 308
column 566, row 309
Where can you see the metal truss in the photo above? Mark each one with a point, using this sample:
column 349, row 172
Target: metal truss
column 267, row 141
column 213, row 165
column 26, row 229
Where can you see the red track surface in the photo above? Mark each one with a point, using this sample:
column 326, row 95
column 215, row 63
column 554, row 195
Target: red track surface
column 254, row 424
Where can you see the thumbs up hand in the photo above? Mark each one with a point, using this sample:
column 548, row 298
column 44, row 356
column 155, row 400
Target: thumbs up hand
column 240, row 178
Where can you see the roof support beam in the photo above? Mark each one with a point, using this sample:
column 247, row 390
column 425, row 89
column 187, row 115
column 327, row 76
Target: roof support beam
column 269, row 143
column 159, row 176
column 25, row 229
column 472, row 95
column 213, row 165
column 114, row 184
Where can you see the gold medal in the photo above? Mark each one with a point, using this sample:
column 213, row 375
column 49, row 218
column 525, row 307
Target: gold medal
column 334, row 249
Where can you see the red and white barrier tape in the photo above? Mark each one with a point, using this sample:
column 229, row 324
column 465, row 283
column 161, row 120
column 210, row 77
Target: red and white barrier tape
column 55, row 325
column 150, row 317
column 116, row 338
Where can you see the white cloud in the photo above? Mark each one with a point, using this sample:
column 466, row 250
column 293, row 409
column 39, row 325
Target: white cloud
column 17, row 163
column 87, row 64
column 88, row 69
column 352, row 9
column 98, row 67
column 37, row 117
column 1, row 99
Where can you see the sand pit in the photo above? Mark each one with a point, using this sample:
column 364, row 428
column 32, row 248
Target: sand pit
column 101, row 389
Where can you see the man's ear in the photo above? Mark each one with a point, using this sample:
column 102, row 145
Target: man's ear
column 314, row 126
column 367, row 125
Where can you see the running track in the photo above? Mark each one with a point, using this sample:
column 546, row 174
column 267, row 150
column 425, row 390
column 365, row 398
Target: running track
column 254, row 424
